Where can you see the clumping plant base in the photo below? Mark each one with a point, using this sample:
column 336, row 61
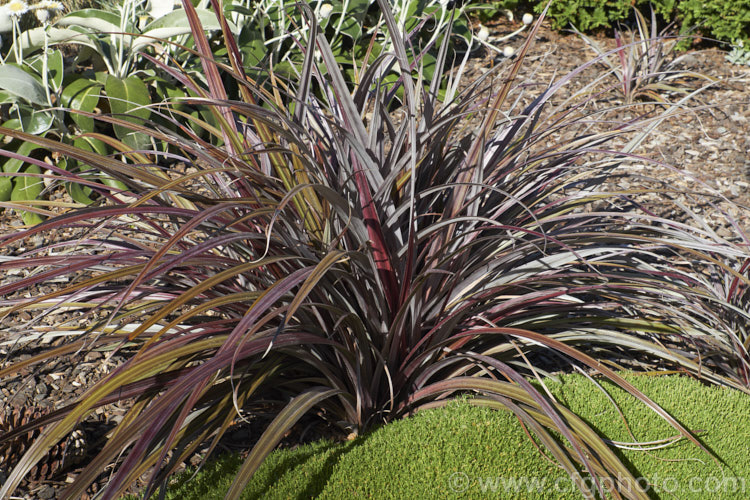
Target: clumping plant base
column 464, row 451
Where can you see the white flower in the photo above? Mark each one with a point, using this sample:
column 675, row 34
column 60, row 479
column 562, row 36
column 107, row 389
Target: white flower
column 47, row 8
column 508, row 51
column 325, row 10
column 143, row 21
column 17, row 8
column 483, row 33
column 160, row 8
column 50, row 5
column 527, row 19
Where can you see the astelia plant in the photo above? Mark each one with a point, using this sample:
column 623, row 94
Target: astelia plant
column 645, row 63
column 312, row 261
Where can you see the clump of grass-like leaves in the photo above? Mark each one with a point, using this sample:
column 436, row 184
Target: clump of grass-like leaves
column 645, row 63
column 310, row 260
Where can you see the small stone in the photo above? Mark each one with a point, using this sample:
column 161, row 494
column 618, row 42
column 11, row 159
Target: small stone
column 20, row 398
column 46, row 492
column 93, row 356
column 689, row 61
column 41, row 389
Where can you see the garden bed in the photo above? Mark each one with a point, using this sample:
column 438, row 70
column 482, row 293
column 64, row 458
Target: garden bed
column 703, row 148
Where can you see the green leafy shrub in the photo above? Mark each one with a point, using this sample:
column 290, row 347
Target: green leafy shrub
column 45, row 94
column 269, row 32
column 492, row 10
column 332, row 258
column 587, row 15
column 726, row 20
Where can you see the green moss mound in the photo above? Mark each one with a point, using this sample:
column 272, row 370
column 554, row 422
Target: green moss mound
column 463, row 451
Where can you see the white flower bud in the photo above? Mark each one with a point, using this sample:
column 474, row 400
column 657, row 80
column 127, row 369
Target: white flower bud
column 42, row 15
column 325, row 10
column 45, row 9
column 508, row 51
column 527, row 19
column 483, row 33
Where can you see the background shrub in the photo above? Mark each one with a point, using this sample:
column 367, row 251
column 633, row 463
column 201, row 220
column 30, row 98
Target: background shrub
column 725, row 20
column 588, row 15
